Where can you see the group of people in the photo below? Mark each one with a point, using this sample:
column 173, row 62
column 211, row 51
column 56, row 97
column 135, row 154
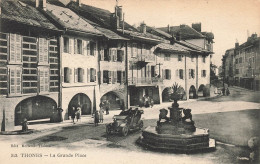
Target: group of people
column 225, row 91
column 98, row 115
column 146, row 101
column 76, row 113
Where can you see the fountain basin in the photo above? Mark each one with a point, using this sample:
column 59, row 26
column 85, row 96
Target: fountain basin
column 187, row 142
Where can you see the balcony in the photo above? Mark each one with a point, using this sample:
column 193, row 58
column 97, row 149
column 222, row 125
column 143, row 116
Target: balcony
column 145, row 58
column 145, row 81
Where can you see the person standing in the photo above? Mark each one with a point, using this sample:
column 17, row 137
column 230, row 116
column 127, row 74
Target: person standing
column 96, row 118
column 227, row 91
column 78, row 114
column 101, row 118
column 73, row 114
column 107, row 105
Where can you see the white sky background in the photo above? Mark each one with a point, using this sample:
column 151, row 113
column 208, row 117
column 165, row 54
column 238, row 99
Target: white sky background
column 227, row 19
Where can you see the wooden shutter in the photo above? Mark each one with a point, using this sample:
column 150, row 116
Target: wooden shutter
column 46, row 79
column 101, row 77
column 75, row 46
column 95, row 48
column 12, row 83
column 109, row 77
column 41, row 77
column 170, row 75
column 115, row 76
column 70, row 45
column 177, row 73
column 88, row 47
column 43, row 51
column 123, row 80
column 115, row 54
column 101, row 53
column 70, row 75
column 75, row 75
column 88, row 75
column 189, row 73
column 12, row 48
column 83, row 75
column 85, row 51
column 18, row 48
column 94, row 75
column 163, row 76
column 201, row 73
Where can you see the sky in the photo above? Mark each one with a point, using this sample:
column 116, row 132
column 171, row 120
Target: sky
column 229, row 20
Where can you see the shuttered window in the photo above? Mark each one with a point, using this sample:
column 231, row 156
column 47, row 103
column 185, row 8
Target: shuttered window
column 93, row 48
column 93, row 75
column 66, row 45
column 134, row 50
column 15, row 50
column 67, row 75
column 181, row 74
column 15, row 76
column 75, row 75
column 120, row 55
column 168, row 74
column 43, row 55
column 105, row 76
column 43, row 76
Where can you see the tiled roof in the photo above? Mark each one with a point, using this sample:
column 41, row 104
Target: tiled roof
column 140, row 35
column 186, row 32
column 70, row 20
column 156, row 31
column 25, row 14
column 110, row 34
column 172, row 48
column 54, row 2
column 97, row 15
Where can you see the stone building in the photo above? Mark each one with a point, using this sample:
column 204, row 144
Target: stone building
column 247, row 63
column 29, row 69
column 79, row 60
column 229, row 67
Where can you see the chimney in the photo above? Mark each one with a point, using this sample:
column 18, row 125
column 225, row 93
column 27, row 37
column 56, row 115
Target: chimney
column 40, row 3
column 182, row 25
column 119, row 12
column 169, row 28
column 143, row 28
column 236, row 45
column 37, row 3
column 114, row 20
column 178, row 36
column 196, row 26
column 79, row 2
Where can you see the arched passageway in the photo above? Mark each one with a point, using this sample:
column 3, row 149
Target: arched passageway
column 34, row 108
column 113, row 99
column 166, row 94
column 192, row 92
column 202, row 91
column 80, row 100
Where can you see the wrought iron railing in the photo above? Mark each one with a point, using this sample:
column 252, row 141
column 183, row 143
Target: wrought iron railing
column 144, row 81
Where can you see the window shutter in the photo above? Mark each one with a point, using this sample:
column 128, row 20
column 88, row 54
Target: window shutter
column 41, row 50
column 46, row 79
column 75, row 75
column 95, row 75
column 88, row 75
column 123, row 80
column 109, row 77
column 189, row 73
column 115, row 76
column 201, row 73
column 70, row 75
column 70, row 45
column 163, row 77
column 83, row 75
column 88, row 47
column 95, row 48
column 122, row 56
column 45, row 51
column 41, row 75
column 101, row 77
column 12, row 48
column 18, row 79
column 75, row 46
column 18, row 48
column 170, row 74
column 177, row 73
column 12, row 81
column 101, row 52
column 85, row 51
column 115, row 54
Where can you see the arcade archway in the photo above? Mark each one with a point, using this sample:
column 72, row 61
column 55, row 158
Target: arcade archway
column 166, row 94
column 202, row 91
column 80, row 100
column 192, row 92
column 34, row 108
column 113, row 99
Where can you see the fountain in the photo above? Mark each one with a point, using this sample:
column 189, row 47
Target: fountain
column 176, row 133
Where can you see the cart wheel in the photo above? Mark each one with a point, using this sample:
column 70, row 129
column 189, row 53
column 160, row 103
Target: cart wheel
column 108, row 130
column 141, row 125
column 125, row 131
